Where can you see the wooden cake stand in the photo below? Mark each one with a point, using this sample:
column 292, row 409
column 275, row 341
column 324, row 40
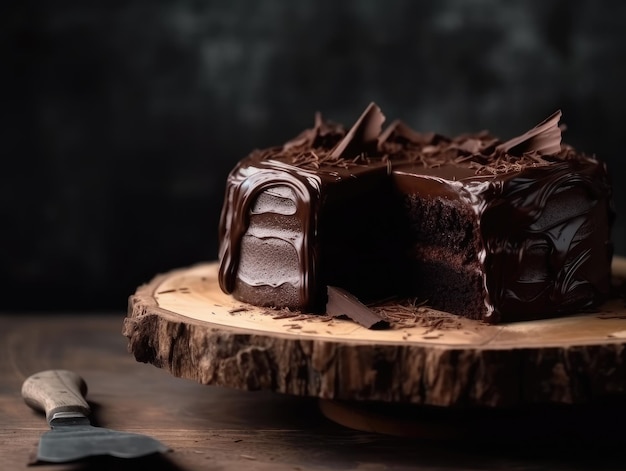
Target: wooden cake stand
column 182, row 322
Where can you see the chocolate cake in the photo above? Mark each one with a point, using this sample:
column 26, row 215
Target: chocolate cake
column 491, row 230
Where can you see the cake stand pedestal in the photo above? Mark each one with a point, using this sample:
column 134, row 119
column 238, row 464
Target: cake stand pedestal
column 182, row 322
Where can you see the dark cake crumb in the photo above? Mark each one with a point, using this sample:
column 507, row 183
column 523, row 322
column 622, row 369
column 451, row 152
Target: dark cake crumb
column 238, row 309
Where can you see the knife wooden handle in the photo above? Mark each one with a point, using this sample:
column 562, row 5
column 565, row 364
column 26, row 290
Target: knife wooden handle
column 56, row 391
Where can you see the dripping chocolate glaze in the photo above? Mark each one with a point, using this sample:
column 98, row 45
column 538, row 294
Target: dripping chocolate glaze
column 509, row 184
column 245, row 184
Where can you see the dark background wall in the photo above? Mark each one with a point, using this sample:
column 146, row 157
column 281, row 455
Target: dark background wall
column 119, row 120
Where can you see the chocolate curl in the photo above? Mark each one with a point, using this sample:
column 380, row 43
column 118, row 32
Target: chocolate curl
column 306, row 137
column 544, row 139
column 315, row 135
column 363, row 136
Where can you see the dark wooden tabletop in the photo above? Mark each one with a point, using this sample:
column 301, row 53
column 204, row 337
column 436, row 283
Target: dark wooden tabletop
column 209, row 427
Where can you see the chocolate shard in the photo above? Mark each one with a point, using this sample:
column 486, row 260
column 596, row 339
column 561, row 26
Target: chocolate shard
column 342, row 303
column 363, row 136
column 385, row 135
column 544, row 139
column 398, row 129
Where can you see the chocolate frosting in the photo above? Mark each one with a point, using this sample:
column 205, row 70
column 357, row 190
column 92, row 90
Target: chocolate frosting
column 510, row 185
column 543, row 257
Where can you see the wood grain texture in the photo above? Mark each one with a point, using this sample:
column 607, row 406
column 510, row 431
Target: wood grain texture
column 182, row 322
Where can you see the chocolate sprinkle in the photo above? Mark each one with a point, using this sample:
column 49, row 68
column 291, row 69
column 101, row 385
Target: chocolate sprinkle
column 327, row 145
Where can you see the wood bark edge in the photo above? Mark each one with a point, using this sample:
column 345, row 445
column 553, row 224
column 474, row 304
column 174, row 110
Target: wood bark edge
column 414, row 374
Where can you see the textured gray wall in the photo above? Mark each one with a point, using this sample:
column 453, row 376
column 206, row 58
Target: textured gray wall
column 120, row 119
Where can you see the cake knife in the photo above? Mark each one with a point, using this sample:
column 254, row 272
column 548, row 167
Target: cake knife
column 61, row 395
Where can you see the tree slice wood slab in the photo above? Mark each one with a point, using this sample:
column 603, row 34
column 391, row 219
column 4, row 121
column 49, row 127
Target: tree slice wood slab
column 182, row 322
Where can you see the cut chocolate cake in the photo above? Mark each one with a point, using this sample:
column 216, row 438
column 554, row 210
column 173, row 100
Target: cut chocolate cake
column 498, row 231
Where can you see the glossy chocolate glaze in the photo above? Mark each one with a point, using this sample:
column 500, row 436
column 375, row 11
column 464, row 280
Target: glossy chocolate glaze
column 543, row 211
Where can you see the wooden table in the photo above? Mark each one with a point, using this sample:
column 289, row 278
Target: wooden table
column 209, row 427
